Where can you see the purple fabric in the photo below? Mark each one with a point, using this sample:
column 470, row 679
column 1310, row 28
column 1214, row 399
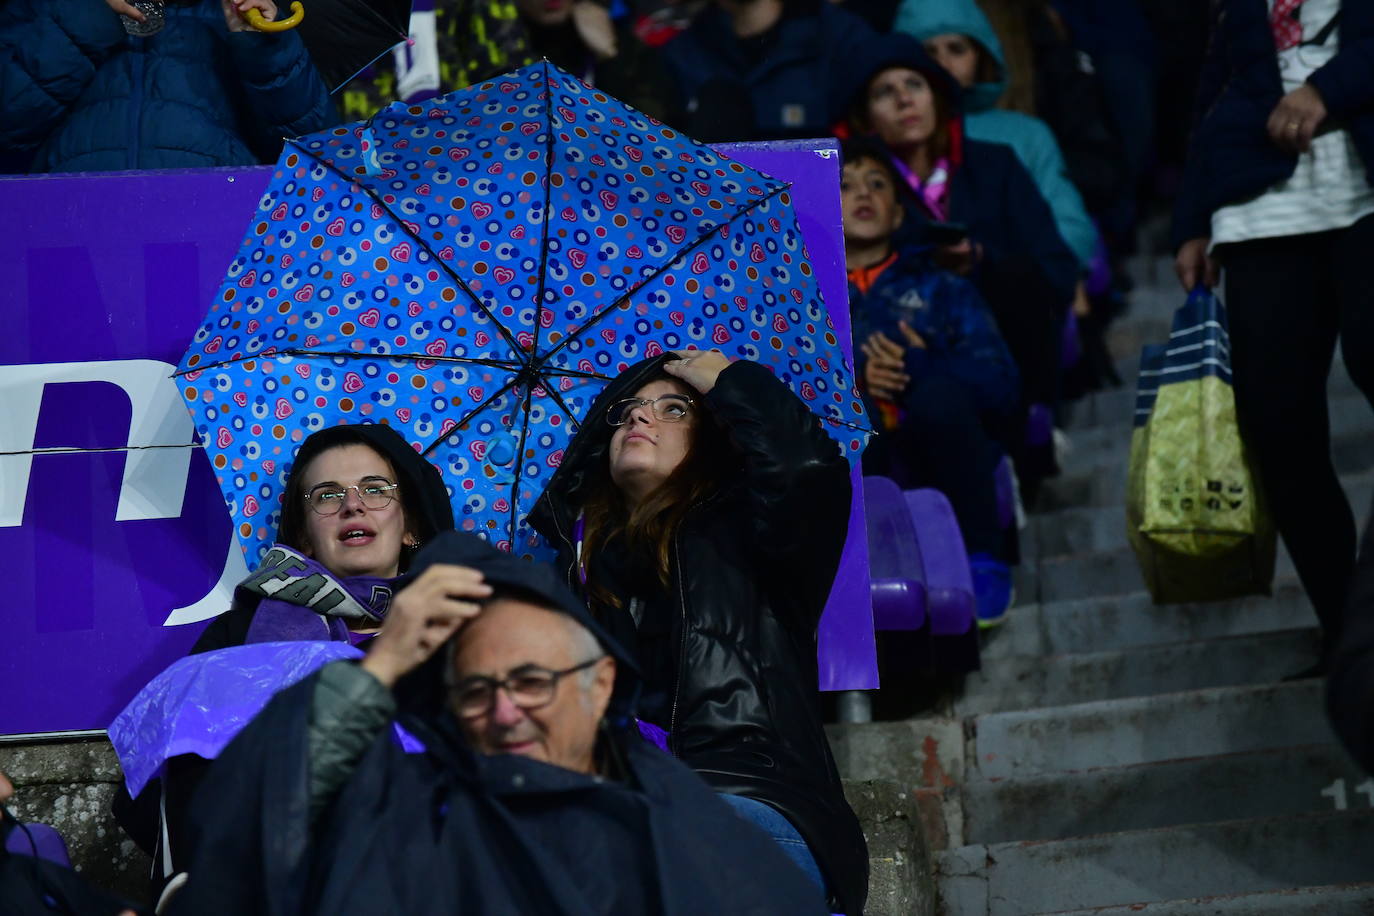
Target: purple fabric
column 38, row 840
column 286, row 571
column 949, row 583
column 1070, row 348
column 202, row 701
column 653, row 734
column 1040, row 425
column 405, row 740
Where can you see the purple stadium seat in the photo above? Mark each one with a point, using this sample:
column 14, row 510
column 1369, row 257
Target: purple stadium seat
column 948, row 583
column 894, row 558
column 1040, row 425
column 38, row 840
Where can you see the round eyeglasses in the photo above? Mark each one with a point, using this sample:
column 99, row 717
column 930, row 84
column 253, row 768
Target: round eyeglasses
column 374, row 492
column 529, row 687
column 670, row 408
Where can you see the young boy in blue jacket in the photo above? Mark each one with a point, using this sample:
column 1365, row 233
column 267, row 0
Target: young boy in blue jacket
column 937, row 375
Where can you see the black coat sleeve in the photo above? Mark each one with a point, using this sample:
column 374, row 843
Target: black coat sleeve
column 796, row 477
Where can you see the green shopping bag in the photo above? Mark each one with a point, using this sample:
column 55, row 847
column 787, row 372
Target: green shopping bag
column 1195, row 516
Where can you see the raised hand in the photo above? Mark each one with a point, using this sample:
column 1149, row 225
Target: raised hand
column 423, row 616
column 698, row 368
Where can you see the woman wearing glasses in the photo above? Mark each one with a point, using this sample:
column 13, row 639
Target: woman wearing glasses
column 701, row 511
column 358, row 502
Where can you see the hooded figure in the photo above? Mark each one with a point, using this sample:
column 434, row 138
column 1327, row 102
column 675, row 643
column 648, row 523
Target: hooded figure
column 467, row 782
column 306, row 591
column 748, row 535
column 1029, row 137
column 282, row 599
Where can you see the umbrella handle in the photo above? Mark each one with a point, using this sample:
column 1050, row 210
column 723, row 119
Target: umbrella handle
column 256, row 20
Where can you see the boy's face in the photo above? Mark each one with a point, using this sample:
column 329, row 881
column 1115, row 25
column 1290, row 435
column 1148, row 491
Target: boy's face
column 868, row 201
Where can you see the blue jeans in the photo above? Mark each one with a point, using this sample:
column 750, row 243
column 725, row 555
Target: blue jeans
column 782, row 832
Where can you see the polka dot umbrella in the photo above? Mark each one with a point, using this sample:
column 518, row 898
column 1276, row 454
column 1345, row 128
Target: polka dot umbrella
column 472, row 270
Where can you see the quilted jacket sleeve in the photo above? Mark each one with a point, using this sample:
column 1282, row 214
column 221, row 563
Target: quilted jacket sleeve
column 348, row 709
column 49, row 52
column 281, row 85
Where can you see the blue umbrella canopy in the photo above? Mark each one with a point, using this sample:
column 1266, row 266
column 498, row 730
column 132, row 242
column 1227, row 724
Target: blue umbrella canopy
column 472, row 270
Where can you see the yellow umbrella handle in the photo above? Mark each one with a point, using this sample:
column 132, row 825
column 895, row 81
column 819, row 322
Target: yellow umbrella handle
column 256, row 20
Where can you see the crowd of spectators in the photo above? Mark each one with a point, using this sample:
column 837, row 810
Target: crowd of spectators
column 995, row 158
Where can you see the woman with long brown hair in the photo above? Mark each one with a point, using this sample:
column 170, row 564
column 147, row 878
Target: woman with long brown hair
column 701, row 511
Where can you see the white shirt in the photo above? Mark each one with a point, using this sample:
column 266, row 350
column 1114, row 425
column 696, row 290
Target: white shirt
column 1329, row 189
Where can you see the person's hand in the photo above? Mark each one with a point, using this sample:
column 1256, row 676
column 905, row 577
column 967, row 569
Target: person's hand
column 698, row 368
column 959, row 258
column 593, row 24
column 1194, row 265
column 912, row 338
column 6, row 788
column 235, row 10
column 1082, row 305
column 885, row 372
column 422, row 617
column 126, row 9
column 1296, row 118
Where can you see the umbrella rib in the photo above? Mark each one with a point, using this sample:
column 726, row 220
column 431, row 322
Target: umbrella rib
column 548, row 203
column 682, row 253
column 562, row 404
column 467, row 417
column 443, row 265
column 520, row 464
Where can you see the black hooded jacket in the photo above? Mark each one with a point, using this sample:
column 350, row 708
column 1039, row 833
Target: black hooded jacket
column 752, row 567
column 447, row 830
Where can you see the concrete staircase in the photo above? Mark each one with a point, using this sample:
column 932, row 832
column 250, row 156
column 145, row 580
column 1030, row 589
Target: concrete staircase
column 1114, row 756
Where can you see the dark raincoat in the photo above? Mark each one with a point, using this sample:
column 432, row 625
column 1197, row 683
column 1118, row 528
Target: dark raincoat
column 730, row 651
column 449, row 831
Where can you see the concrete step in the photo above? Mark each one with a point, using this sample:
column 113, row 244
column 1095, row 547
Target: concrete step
column 1352, row 434
column 1146, row 866
column 1330, row 900
column 1266, row 783
column 1101, row 573
column 1030, row 681
column 1123, row 621
column 913, row 754
column 1097, row 528
column 1171, row 726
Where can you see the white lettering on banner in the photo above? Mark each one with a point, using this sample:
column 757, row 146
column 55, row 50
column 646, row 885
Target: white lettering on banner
column 158, row 452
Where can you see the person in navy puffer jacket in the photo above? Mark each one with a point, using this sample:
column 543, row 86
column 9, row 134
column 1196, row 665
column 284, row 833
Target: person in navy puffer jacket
column 78, row 94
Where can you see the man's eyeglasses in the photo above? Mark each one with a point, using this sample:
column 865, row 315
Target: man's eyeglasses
column 670, row 408
column 374, row 492
column 529, row 687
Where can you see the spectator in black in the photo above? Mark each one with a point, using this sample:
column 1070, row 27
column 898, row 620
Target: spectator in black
column 1278, row 190
column 937, row 375
column 78, row 94
column 1007, row 242
column 1350, row 691
column 480, row 759
column 765, row 69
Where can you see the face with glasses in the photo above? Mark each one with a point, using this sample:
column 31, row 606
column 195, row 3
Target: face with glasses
column 653, row 433
column 354, row 521
column 532, row 682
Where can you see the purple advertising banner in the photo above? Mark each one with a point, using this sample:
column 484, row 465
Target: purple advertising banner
column 116, row 541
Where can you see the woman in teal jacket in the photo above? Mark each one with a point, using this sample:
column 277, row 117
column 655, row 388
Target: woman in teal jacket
column 77, row 94
column 982, row 74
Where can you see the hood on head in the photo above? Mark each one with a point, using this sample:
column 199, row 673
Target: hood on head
column 557, row 506
column 416, row 474
column 895, row 50
column 922, row 19
column 542, row 583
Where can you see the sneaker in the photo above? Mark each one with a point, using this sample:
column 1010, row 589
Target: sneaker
column 992, row 591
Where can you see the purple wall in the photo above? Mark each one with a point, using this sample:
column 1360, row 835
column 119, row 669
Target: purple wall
column 115, row 539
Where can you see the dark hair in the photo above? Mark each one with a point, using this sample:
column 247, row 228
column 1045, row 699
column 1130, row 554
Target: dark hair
column 649, row 526
column 867, row 149
column 291, row 530
column 939, row 140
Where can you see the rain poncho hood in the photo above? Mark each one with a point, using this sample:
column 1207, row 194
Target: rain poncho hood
column 922, row 19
